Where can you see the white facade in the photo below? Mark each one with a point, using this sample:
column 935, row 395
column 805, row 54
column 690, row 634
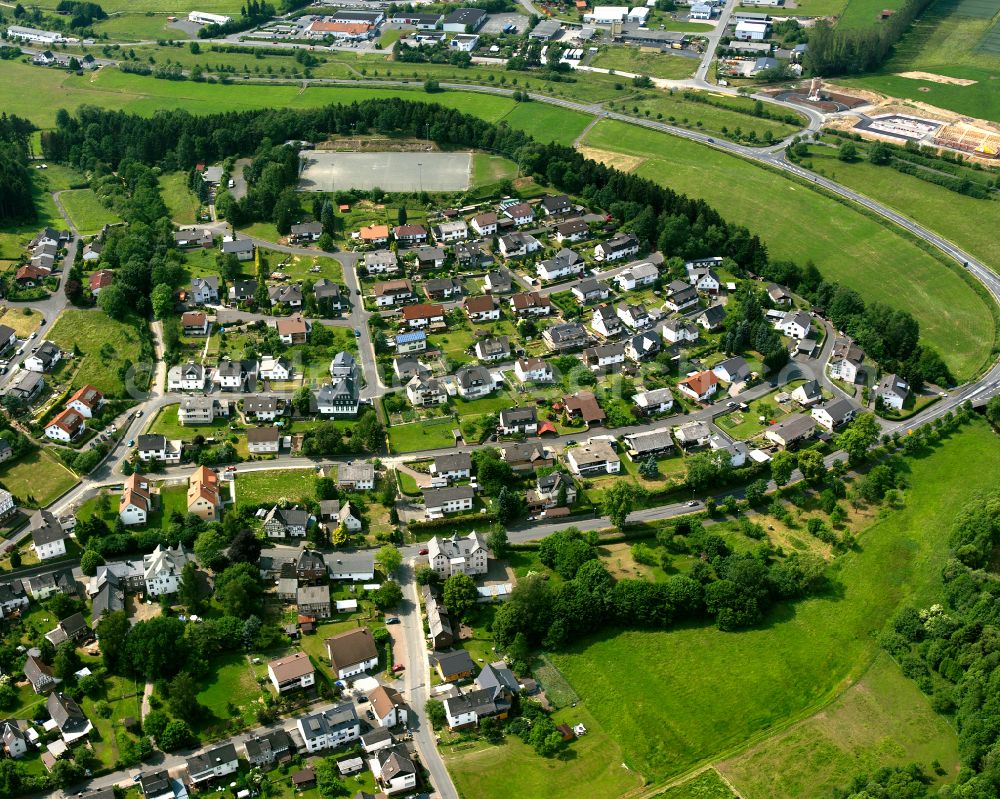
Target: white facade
column 204, row 18
column 50, row 549
column 752, row 31
column 34, row 35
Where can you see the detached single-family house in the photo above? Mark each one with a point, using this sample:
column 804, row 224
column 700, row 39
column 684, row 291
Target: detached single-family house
column 439, row 501
column 637, row 276
column 605, row 357
column 518, row 245
column 515, row 421
column 617, row 248
column 845, row 360
column 195, row 323
column 680, row 295
column 43, row 358
column 393, row 292
column 474, row 382
column 520, row 213
column 48, row 538
column 86, row 401
column 423, row 391
column 565, row 337
column 794, row 324
column 692, row 434
column 452, row 466
column 414, row 341
column 701, row 386
column 483, row 308
column 162, row 568
column 533, row 370
column 590, row 290
column 485, row 224
column 68, row 425
column 352, row 653
column 555, row 204
column 263, row 440
column 563, row 264
column 71, row 721
column 373, row 234
column 596, row 456
column 808, row 393
column 456, row 230
column 893, row 390
column 442, row 288
column 833, row 414
column 155, row 447
column 381, row 262
column 204, row 290
column 313, row 600
column 498, row 281
column 186, row 377
column 493, row 349
column 655, row 401
column 330, row 728
column 393, row 766
column 356, row 476
column 642, row 346
column 430, row 258
column 573, row 230
column 732, row 370
column 100, row 280
column 417, row 317
column 712, row 317
column 291, row 672
column 282, row 522
column 675, row 330
column 634, row 315
column 293, row 330
column 530, row 303
column 791, row 430
column 388, row 705
column 242, row 248
column 136, row 500
column 409, row 235
column 212, row 763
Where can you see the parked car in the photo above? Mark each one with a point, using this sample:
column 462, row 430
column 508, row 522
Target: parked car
column 423, row 551
column 392, row 620
column 398, row 668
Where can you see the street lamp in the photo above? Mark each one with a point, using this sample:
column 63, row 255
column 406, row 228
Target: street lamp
column 420, row 175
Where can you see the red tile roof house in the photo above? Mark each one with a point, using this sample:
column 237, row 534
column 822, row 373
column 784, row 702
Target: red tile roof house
column 195, row 323
column 101, row 279
column 86, row 401
column 422, row 315
column 66, row 426
column 701, row 386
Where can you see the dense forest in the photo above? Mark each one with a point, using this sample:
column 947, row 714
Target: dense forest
column 16, row 203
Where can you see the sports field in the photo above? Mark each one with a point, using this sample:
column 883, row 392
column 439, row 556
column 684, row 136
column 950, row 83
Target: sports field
column 392, row 171
column 801, row 224
column 718, row 692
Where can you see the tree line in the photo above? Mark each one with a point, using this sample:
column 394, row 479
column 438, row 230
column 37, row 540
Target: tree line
column 94, row 136
column 835, row 50
column 949, row 648
column 16, row 203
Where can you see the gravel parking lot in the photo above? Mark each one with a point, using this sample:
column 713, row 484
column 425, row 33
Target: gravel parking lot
column 329, row 171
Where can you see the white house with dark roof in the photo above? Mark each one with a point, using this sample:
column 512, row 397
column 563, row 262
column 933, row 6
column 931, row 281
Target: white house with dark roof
column 452, row 466
column 617, row 248
column 458, row 554
column 441, row 501
column 893, row 390
column 213, row 763
column 831, row 415
column 48, row 538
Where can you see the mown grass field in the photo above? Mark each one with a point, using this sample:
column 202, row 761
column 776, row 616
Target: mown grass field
column 180, row 200
column 591, row 766
column 882, row 720
column 946, row 212
column 416, row 436
column 707, row 785
column 942, row 42
column 865, row 13
column 139, row 27
column 105, row 343
column 258, row 488
column 166, row 424
column 678, row 110
column 37, row 474
column 801, row 224
column 86, row 211
column 803, row 8
column 655, row 65
column 804, row 654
